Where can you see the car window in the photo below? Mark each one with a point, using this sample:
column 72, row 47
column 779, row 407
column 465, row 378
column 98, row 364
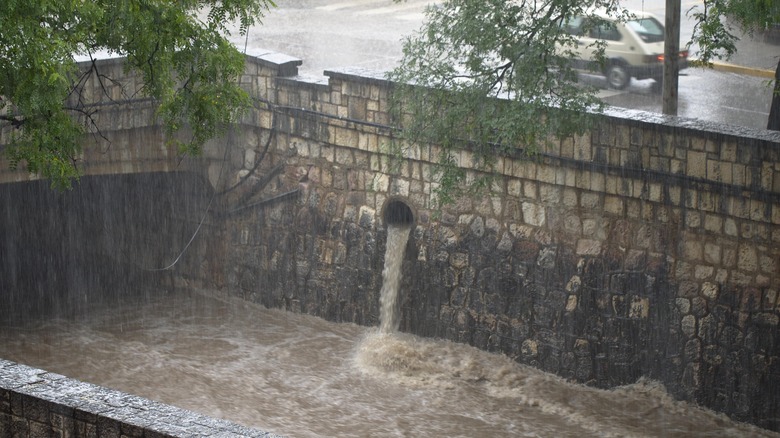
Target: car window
column 648, row 29
column 574, row 26
column 580, row 26
column 605, row 31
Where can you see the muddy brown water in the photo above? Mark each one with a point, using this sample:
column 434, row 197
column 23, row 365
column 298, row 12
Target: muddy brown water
column 301, row 376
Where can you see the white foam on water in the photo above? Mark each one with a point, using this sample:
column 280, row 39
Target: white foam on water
column 643, row 409
column 301, row 376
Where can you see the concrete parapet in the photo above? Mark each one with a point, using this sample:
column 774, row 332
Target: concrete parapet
column 35, row 403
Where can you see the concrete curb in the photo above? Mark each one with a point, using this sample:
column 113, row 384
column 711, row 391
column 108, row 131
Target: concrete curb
column 733, row 68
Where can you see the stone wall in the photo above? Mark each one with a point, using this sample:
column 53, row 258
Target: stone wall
column 38, row 404
column 109, row 237
column 123, row 132
column 647, row 247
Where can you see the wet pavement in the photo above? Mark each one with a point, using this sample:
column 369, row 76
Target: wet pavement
column 329, row 34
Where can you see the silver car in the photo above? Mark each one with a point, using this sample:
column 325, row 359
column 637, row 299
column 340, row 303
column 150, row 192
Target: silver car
column 634, row 48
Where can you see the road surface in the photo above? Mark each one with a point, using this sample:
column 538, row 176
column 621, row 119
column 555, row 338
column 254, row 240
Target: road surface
column 367, row 33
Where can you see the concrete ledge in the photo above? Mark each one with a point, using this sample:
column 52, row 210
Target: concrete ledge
column 37, row 403
column 733, row 68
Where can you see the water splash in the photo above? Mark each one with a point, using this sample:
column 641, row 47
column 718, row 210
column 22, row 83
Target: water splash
column 397, row 236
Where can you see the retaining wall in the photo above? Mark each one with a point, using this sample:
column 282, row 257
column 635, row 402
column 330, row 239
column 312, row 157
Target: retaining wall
column 647, row 247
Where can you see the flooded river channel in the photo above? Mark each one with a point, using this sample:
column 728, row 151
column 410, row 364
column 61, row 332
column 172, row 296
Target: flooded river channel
column 301, row 376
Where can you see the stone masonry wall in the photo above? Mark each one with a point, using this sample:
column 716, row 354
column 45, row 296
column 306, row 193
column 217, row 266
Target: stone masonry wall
column 647, row 247
column 124, row 133
column 38, row 404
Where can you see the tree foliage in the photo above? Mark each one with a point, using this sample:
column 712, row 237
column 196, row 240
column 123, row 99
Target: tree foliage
column 178, row 47
column 718, row 20
column 493, row 76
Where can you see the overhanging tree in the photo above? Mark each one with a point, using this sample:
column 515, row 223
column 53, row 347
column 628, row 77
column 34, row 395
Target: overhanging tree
column 492, row 76
column 178, row 47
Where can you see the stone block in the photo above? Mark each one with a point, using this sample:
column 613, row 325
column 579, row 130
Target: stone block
column 696, row 164
column 710, row 290
column 676, row 166
column 767, row 174
column 481, row 206
column 730, row 227
column 683, row 305
column 728, row 151
column 660, row 164
column 530, row 348
column 567, row 148
column 505, row 244
column 713, row 223
column 524, row 169
column 572, row 224
column 712, row 253
column 739, row 174
column 768, row 263
column 770, row 299
column 533, row 214
column 530, row 189
column 594, row 228
column 582, row 179
column 590, row 201
column 372, row 105
column 549, row 194
column 765, row 319
column 634, row 208
column 344, row 137
column 399, row 186
column 691, row 248
column 416, row 186
column 107, row 428
column 588, row 247
column 703, row 272
column 688, row 326
column 571, row 303
column 656, row 192
column 570, row 198
column 498, row 205
column 614, row 205
column 547, row 174
column 747, row 258
column 683, row 270
column 515, row 186
column 639, row 308
column 367, row 217
column 582, row 147
column 740, row 278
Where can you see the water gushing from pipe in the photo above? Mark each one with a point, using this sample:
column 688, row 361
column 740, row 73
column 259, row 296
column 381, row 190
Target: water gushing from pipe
column 397, row 236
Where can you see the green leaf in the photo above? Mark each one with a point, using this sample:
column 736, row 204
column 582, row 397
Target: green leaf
column 164, row 41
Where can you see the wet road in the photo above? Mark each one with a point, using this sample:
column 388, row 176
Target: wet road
column 367, row 33
column 704, row 94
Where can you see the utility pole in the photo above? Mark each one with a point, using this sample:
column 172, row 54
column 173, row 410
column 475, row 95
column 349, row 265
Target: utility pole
column 671, row 57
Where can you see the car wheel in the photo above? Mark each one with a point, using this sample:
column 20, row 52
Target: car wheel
column 658, row 85
column 618, row 77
